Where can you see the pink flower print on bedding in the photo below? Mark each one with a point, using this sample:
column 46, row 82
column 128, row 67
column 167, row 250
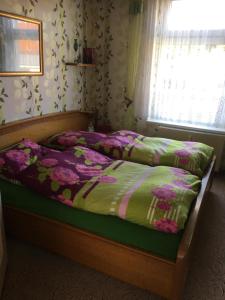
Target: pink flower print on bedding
column 163, row 205
column 164, row 192
column 30, row 144
column 67, row 140
column 64, row 176
column 88, row 170
column 181, row 184
column 107, row 179
column 183, row 155
column 18, row 156
column 123, row 139
column 89, row 157
column 111, row 143
column 178, row 172
column 48, row 162
column 96, row 157
column 166, row 225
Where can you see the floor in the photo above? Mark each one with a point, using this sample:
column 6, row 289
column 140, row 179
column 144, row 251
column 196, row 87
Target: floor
column 35, row 274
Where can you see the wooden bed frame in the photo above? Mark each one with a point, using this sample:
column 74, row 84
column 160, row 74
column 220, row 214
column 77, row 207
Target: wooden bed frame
column 143, row 269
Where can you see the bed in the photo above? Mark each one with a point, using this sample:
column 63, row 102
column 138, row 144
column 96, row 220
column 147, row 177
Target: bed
column 160, row 275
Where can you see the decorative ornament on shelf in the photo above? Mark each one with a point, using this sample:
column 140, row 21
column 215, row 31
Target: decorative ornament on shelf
column 88, row 54
column 76, row 48
column 84, row 57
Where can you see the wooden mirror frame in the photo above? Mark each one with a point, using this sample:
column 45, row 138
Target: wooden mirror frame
column 40, row 35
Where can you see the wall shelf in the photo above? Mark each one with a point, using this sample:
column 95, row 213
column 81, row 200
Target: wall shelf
column 80, row 65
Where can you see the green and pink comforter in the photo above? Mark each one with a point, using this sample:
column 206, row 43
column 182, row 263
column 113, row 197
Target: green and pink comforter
column 155, row 197
column 130, row 146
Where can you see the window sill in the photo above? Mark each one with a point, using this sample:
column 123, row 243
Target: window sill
column 183, row 126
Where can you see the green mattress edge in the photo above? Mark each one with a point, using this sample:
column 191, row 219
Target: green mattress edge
column 113, row 228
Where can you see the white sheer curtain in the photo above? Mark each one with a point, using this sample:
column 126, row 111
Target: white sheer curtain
column 141, row 90
column 187, row 83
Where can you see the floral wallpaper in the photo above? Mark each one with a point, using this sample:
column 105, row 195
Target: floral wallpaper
column 104, row 25
column 107, row 28
column 24, row 97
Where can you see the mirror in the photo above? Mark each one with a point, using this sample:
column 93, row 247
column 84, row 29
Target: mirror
column 21, row 49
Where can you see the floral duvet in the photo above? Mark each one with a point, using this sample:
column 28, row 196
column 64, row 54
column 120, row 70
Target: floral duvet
column 130, row 146
column 155, row 197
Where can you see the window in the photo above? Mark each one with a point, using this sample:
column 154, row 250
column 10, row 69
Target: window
column 188, row 67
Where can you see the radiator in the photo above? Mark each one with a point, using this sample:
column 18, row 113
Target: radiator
column 212, row 139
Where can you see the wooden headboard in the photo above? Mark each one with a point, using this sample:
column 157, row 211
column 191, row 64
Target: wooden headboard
column 38, row 128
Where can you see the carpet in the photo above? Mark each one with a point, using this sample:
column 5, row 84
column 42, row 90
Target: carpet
column 35, row 274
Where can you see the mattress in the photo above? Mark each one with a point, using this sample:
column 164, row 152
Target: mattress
column 159, row 243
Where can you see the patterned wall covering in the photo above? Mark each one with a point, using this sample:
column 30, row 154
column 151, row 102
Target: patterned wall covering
column 23, row 97
column 120, row 109
column 107, row 30
column 104, row 25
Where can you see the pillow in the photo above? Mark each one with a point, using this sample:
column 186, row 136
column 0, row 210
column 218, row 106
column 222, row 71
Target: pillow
column 18, row 157
column 60, row 175
column 89, row 157
column 67, row 139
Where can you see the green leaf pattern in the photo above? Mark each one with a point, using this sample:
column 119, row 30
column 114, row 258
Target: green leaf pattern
column 54, row 186
column 67, row 194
